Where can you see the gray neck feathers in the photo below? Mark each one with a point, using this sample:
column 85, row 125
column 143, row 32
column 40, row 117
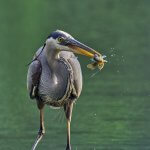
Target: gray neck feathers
column 52, row 55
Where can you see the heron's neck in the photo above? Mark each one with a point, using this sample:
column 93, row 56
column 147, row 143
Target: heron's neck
column 52, row 56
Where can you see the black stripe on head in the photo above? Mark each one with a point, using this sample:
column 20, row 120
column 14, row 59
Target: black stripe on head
column 56, row 34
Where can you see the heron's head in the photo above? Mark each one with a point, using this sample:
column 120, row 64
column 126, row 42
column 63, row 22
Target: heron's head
column 63, row 41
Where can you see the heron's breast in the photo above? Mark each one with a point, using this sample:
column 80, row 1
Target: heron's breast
column 54, row 85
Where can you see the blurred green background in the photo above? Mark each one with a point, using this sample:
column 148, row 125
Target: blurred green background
column 113, row 110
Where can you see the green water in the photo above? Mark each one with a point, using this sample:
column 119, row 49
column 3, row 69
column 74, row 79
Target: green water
column 113, row 110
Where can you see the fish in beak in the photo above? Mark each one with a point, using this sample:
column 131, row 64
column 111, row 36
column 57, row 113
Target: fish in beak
column 80, row 48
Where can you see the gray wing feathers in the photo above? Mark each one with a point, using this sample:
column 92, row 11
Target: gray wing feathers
column 33, row 78
column 77, row 73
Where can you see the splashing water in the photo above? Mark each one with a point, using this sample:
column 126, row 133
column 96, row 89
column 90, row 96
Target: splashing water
column 94, row 74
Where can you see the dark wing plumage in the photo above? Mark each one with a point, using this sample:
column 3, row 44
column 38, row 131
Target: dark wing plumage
column 33, row 78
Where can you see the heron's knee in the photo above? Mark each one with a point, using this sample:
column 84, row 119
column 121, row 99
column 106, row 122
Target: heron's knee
column 41, row 132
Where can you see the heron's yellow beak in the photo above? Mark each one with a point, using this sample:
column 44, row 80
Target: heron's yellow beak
column 81, row 51
column 80, row 48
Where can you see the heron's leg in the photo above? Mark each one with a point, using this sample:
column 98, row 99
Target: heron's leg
column 68, row 111
column 42, row 128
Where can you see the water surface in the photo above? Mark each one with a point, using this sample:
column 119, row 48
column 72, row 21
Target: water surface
column 113, row 110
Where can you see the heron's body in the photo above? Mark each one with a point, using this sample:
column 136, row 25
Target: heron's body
column 55, row 78
column 55, row 87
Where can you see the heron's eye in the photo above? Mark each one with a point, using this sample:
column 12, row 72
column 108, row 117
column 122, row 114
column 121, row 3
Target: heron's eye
column 60, row 39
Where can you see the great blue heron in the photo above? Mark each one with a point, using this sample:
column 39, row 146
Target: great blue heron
column 55, row 78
